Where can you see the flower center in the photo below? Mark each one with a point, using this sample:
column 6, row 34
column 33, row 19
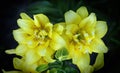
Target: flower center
column 41, row 35
column 83, row 37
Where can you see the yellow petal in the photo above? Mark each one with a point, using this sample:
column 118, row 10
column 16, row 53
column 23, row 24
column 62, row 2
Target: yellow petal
column 49, row 55
column 41, row 51
column 48, row 28
column 31, row 42
column 11, row 51
column 101, row 29
column 40, row 20
column 25, row 16
column 42, row 61
column 82, row 61
column 11, row 71
column 21, row 50
column 49, row 59
column 82, row 11
column 20, row 36
column 71, row 28
column 30, row 68
column 72, row 18
column 99, row 63
column 18, row 63
column 58, row 28
column 57, row 41
column 31, row 57
column 26, row 25
column 24, row 38
column 98, row 46
column 88, row 22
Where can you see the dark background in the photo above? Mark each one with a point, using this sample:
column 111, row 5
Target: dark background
column 9, row 13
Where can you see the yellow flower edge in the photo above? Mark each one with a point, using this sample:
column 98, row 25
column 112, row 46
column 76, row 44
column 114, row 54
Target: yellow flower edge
column 83, row 34
column 38, row 40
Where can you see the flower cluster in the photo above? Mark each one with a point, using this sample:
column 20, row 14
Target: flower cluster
column 39, row 40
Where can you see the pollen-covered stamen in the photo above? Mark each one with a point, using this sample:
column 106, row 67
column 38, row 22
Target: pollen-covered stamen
column 41, row 35
column 76, row 38
column 83, row 37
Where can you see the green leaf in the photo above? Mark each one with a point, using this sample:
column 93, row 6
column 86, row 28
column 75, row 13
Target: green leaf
column 54, row 70
column 57, row 70
column 56, row 64
column 40, row 3
column 47, row 8
column 71, row 70
column 60, row 71
column 44, row 7
column 42, row 68
column 61, row 54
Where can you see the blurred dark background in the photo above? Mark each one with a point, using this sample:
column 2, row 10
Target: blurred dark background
column 107, row 10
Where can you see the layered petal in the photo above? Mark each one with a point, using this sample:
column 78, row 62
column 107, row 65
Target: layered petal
column 72, row 18
column 81, row 58
column 31, row 57
column 99, row 63
column 82, row 61
column 32, row 42
column 98, row 46
column 49, row 58
column 25, row 67
column 82, row 11
column 30, row 68
column 18, row 63
column 40, row 20
column 26, row 25
column 89, row 22
column 100, row 29
column 25, row 16
column 21, row 50
column 49, row 29
column 57, row 41
column 41, row 49
column 58, row 28
column 20, row 36
column 70, row 30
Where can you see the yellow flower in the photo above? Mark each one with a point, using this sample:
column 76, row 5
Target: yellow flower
column 35, row 32
column 31, row 58
column 38, row 33
column 38, row 40
column 83, row 35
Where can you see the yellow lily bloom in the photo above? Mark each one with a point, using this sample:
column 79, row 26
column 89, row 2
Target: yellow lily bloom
column 38, row 40
column 83, row 35
column 35, row 32
column 38, row 33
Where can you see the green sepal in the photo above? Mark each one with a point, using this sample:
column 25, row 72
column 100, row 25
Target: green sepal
column 61, row 54
column 56, row 64
column 42, row 68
